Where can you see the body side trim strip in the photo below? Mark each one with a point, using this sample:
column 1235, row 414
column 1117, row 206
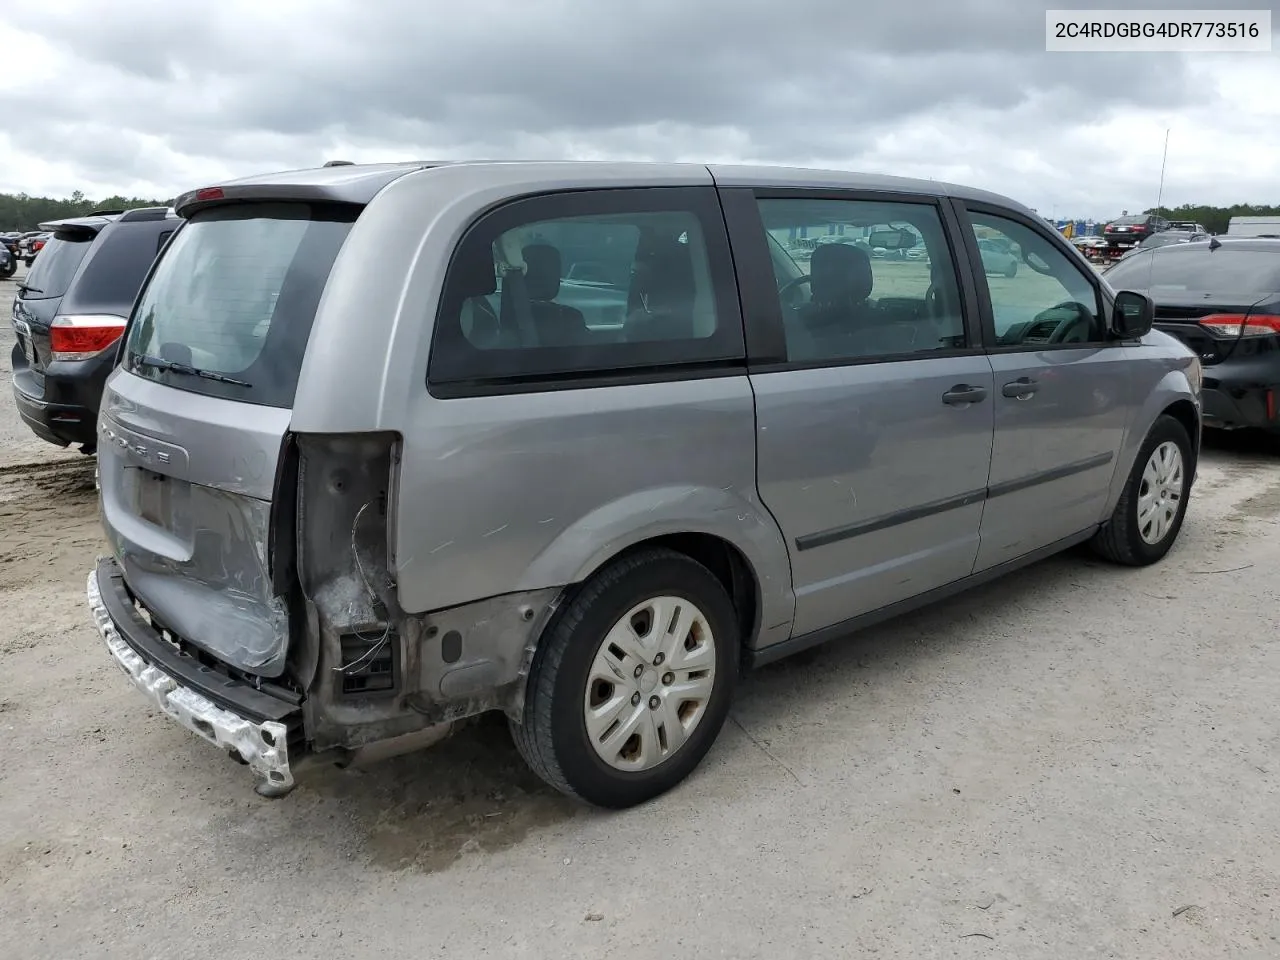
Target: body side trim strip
column 823, row 538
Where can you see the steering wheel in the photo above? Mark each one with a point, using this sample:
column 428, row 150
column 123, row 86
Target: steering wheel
column 792, row 285
column 1082, row 318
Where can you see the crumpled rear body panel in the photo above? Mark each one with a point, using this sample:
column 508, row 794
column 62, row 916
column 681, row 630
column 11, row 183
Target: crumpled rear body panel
column 214, row 588
column 186, row 486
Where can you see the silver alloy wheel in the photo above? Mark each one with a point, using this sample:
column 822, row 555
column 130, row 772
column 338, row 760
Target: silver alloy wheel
column 650, row 683
column 1160, row 492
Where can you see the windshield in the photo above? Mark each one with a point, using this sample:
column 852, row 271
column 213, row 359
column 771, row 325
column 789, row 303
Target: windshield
column 55, row 265
column 235, row 293
column 1194, row 268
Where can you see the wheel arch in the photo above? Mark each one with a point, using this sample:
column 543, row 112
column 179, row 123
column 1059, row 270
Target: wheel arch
column 726, row 530
column 1173, row 396
column 727, row 563
column 1186, row 413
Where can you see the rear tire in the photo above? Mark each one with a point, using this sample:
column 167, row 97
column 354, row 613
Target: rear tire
column 584, row 700
column 1011, row 271
column 1149, row 514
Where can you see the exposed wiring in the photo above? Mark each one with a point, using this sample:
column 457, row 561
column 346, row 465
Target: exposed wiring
column 374, row 600
column 355, row 552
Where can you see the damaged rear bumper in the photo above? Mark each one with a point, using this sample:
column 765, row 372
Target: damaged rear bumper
column 251, row 724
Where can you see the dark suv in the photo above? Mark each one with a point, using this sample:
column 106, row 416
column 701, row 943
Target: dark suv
column 8, row 255
column 70, row 312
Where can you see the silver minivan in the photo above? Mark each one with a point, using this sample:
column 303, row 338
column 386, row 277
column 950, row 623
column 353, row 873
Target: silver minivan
column 391, row 446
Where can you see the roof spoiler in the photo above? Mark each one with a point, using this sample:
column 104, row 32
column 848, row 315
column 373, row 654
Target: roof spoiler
column 146, row 213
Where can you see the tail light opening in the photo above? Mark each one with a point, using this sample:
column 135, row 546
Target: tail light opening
column 82, row 337
column 1241, row 325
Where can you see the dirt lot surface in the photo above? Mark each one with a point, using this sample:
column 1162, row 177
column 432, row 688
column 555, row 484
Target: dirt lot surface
column 1076, row 761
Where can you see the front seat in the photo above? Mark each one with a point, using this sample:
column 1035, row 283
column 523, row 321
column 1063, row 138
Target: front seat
column 662, row 292
column 555, row 325
column 840, row 282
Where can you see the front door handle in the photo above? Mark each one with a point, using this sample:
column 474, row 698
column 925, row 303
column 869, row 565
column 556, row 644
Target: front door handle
column 963, row 393
column 1020, row 389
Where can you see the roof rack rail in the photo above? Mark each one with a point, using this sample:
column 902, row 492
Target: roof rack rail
column 339, row 163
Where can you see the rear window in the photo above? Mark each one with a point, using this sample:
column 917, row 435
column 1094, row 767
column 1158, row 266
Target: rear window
column 55, row 265
column 235, row 295
column 112, row 275
column 1129, row 221
column 1184, row 268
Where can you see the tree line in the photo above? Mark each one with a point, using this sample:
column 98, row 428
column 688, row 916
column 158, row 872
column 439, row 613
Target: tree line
column 1214, row 219
column 19, row 211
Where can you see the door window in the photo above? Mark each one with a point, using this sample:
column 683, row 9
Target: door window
column 587, row 283
column 862, row 280
column 1038, row 295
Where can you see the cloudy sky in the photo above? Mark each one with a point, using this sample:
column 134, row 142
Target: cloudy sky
column 151, row 97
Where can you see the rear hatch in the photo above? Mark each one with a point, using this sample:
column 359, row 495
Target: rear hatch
column 193, row 419
column 41, row 292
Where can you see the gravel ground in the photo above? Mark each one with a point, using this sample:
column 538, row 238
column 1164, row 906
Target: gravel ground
column 1076, row 761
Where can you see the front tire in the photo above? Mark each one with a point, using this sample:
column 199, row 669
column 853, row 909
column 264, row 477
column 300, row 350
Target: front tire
column 1149, row 514
column 1011, row 270
column 632, row 682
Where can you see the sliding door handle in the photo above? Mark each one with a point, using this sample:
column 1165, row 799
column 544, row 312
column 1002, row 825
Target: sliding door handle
column 963, row 393
column 1020, row 389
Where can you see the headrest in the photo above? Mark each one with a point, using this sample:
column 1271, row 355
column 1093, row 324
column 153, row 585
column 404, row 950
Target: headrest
column 542, row 271
column 474, row 273
column 839, row 273
column 664, row 274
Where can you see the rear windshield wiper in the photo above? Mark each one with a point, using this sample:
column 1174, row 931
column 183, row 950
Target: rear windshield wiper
column 25, row 288
column 159, row 363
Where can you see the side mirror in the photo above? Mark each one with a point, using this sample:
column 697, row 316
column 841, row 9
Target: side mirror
column 1133, row 315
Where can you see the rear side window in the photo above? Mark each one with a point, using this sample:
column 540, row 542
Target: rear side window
column 55, row 265
column 589, row 283
column 235, row 295
column 113, row 273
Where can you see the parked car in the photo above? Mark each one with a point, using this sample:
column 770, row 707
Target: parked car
column 70, row 312
column 1190, row 226
column 1222, row 299
column 365, row 473
column 7, row 263
column 997, row 259
column 1125, row 233
column 1164, row 238
column 31, row 244
column 9, row 241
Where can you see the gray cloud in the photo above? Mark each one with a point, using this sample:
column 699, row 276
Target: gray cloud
column 241, row 86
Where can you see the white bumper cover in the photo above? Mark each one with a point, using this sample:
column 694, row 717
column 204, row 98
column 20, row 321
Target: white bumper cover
column 263, row 746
